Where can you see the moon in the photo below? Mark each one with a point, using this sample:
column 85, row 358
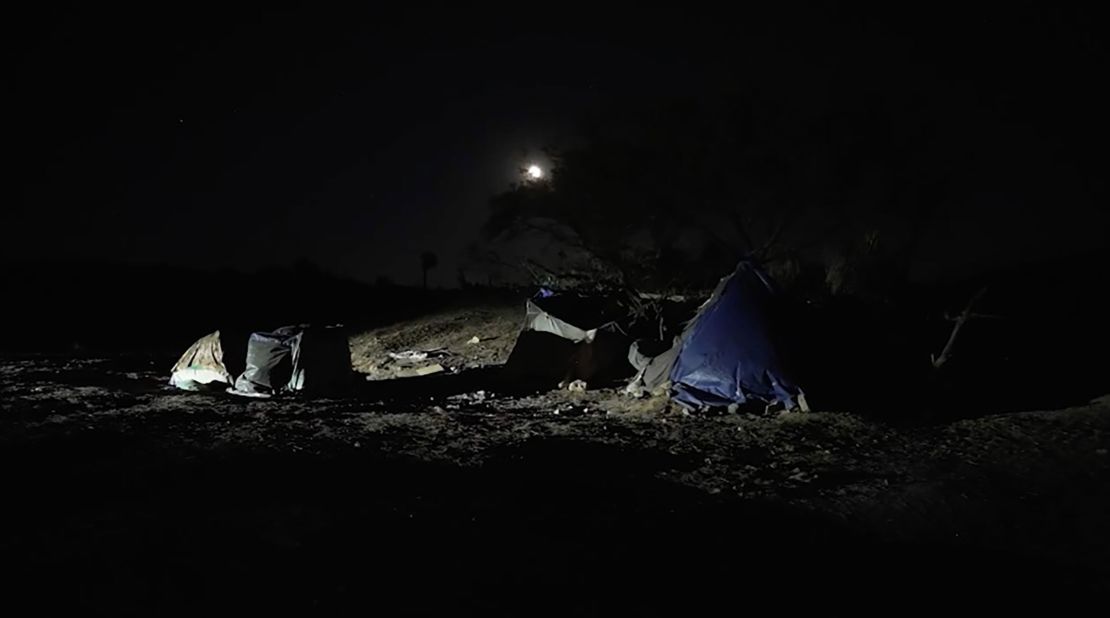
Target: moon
column 535, row 172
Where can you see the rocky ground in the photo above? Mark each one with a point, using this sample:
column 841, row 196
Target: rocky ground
column 450, row 493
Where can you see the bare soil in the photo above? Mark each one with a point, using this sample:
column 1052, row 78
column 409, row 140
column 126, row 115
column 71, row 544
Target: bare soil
column 451, row 330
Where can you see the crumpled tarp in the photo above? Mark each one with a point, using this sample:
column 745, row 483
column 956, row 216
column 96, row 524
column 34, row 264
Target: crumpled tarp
column 565, row 338
column 269, row 361
column 536, row 319
column 296, row 358
column 652, row 372
column 202, row 365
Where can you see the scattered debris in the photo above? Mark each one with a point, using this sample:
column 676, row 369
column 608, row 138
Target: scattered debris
column 429, row 370
column 800, row 476
column 475, row 397
column 409, row 356
column 803, row 405
column 418, row 356
column 232, row 391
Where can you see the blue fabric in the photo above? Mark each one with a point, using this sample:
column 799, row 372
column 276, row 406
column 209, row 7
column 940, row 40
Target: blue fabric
column 729, row 353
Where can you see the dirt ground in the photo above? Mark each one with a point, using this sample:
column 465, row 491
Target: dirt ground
column 451, row 331
column 449, row 493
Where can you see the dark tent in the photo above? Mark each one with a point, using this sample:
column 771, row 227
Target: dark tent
column 730, row 353
column 570, row 337
column 296, row 358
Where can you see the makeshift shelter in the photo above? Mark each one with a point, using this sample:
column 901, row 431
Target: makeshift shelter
column 653, row 362
column 570, row 337
column 731, row 352
column 296, row 358
column 209, row 363
column 291, row 358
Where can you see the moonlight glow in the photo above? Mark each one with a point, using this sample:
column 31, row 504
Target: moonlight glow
column 535, row 172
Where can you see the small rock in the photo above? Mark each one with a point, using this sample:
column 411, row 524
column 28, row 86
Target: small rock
column 473, row 340
column 475, row 397
column 800, row 477
column 577, row 386
column 357, row 445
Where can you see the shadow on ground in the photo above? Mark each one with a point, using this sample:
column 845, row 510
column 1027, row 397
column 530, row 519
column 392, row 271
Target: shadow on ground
column 123, row 526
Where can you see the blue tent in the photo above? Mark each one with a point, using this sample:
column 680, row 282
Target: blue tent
column 730, row 352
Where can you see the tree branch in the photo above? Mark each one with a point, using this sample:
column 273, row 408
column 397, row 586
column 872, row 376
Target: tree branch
column 946, row 353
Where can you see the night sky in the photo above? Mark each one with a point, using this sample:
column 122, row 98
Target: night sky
column 357, row 140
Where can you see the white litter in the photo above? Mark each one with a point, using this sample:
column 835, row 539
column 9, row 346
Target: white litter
column 430, row 369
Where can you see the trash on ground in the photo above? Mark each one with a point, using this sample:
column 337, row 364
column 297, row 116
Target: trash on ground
column 430, row 369
column 475, row 397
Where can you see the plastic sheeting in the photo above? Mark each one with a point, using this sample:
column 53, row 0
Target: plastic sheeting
column 730, row 351
column 536, row 319
column 202, row 365
column 569, row 338
column 296, row 358
column 269, row 361
column 653, row 372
